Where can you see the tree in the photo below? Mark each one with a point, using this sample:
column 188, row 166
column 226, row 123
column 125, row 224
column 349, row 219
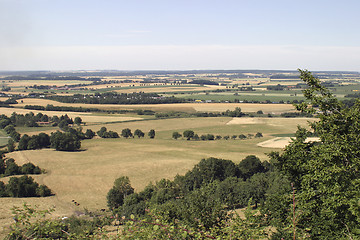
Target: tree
column 210, row 137
column 23, row 143
column 44, row 140
column 126, row 133
column 89, row 134
column 250, row 165
column 11, row 145
column 242, row 136
column 64, row 141
column 116, row 195
column 24, row 186
column 139, row 133
column 196, row 137
column 176, row 135
column 325, row 174
column 78, row 120
column 151, row 133
column 33, row 143
column 101, row 131
column 188, row 134
column 258, row 135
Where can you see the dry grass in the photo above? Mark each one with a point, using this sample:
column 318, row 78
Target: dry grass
column 187, row 107
column 86, row 176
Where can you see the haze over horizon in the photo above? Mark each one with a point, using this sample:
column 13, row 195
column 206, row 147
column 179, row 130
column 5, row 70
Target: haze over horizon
column 179, row 35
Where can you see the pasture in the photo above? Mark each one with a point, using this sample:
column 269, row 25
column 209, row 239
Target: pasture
column 87, row 175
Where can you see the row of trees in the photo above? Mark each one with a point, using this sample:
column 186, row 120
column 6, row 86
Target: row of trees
column 117, row 98
column 32, row 120
column 9, row 167
column 126, row 133
column 24, row 186
column 190, row 134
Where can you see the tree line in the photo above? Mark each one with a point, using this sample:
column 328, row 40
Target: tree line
column 191, row 135
column 126, row 133
column 117, row 98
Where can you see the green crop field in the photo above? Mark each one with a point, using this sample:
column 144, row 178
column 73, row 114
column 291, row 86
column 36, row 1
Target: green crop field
column 3, row 138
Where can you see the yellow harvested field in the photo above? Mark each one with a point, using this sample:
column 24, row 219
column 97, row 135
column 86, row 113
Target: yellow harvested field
column 188, row 107
column 27, row 83
column 282, row 142
column 268, row 121
column 162, row 89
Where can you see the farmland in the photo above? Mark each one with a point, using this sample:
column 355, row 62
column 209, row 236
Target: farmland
column 87, row 175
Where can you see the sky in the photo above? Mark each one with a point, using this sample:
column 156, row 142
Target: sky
column 318, row 35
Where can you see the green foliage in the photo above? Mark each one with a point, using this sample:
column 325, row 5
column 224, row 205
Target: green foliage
column 25, row 186
column 126, row 133
column 139, row 133
column 326, row 173
column 11, row 145
column 78, row 120
column 89, row 134
column 176, row 135
column 103, row 133
column 188, row 134
column 151, row 133
column 116, row 195
column 209, row 170
column 9, row 168
column 250, row 165
column 64, row 141
column 31, row 223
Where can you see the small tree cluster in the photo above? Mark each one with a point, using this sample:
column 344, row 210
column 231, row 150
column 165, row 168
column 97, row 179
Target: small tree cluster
column 8, row 167
column 103, row 133
column 27, row 142
column 64, row 141
column 24, row 186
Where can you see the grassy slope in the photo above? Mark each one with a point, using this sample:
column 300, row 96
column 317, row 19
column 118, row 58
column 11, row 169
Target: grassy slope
column 86, row 176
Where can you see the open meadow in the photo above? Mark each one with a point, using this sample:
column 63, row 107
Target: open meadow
column 87, row 175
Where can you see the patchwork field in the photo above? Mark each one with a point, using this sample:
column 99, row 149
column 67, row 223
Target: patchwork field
column 186, row 107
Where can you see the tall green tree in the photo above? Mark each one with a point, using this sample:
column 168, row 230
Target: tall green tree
column 326, row 173
column 116, row 195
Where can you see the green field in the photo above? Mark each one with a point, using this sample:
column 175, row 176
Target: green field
column 3, row 138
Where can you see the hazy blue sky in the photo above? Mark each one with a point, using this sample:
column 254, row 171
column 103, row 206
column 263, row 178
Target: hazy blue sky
column 174, row 34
